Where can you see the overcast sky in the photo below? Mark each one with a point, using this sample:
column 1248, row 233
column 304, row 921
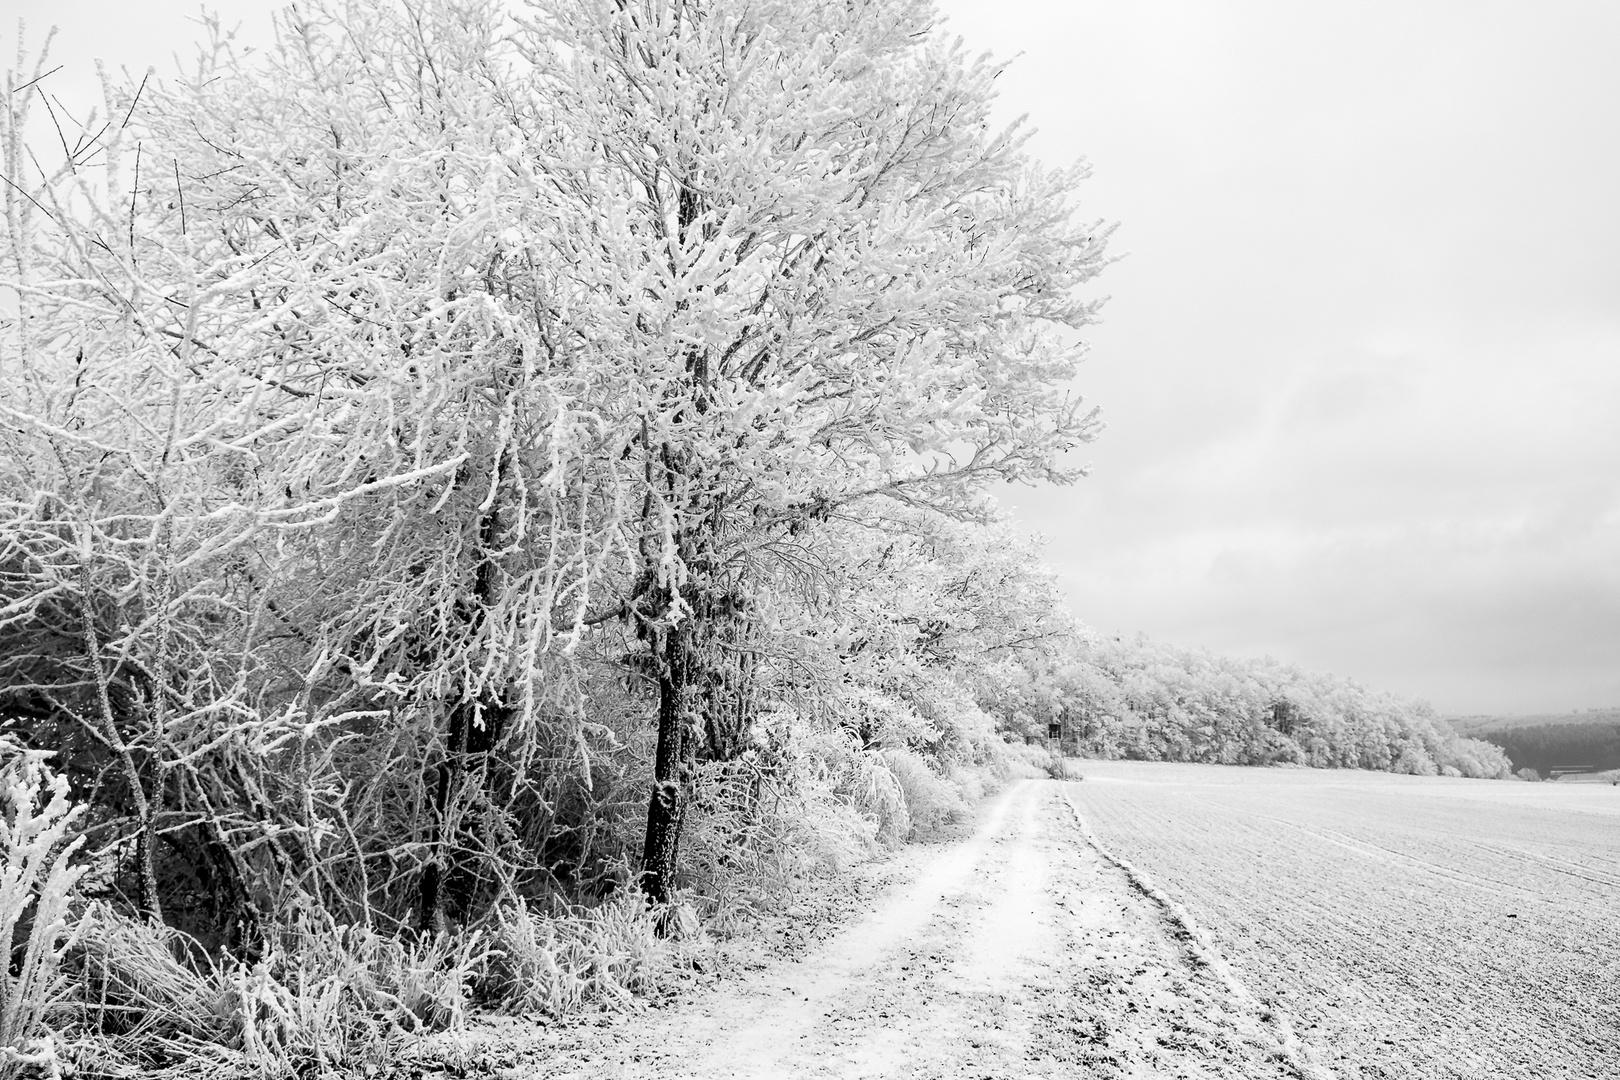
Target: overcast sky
column 1361, row 367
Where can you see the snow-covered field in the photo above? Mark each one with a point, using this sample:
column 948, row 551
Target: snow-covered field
column 1409, row 927
column 1166, row 921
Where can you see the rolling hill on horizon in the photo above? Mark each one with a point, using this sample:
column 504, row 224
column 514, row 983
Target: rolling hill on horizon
column 1553, row 740
column 1473, row 724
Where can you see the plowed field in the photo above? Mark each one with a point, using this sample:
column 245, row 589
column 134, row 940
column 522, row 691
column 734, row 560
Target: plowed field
column 1409, row 927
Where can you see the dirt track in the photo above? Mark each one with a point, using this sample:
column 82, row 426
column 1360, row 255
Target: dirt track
column 1016, row 952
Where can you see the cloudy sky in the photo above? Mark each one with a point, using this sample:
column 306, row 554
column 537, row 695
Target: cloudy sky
column 1362, row 363
column 1361, row 366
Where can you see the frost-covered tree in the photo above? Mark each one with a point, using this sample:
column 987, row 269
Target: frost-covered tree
column 916, row 613
column 821, row 278
column 378, row 401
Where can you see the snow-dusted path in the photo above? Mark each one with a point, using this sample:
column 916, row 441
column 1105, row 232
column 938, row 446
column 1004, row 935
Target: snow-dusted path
column 1017, row 952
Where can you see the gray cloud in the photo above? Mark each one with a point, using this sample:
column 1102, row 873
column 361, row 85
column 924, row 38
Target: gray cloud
column 1362, row 366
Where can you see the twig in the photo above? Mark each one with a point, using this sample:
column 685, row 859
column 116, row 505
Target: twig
column 57, row 124
column 181, row 191
column 37, row 78
column 27, row 196
column 84, row 143
column 66, row 111
column 136, row 102
column 134, row 191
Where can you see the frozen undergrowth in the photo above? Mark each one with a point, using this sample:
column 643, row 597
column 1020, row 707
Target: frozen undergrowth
column 36, row 887
column 105, row 994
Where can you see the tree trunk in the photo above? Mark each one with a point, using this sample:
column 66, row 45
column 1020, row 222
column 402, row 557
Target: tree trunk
column 429, row 896
column 666, row 809
column 680, row 668
column 474, row 728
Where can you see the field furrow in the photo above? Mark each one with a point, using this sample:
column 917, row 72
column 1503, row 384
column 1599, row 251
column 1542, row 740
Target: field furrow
column 1409, row 927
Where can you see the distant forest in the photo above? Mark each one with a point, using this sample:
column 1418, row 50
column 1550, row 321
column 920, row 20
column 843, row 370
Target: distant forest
column 1544, row 743
column 1146, row 700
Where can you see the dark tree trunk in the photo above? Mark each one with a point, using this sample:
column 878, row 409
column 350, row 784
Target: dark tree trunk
column 666, row 809
column 430, row 910
column 683, row 666
column 450, row 880
column 473, row 729
column 705, row 714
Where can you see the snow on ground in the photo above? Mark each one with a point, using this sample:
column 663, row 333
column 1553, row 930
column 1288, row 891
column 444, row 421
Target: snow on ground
column 1175, row 921
column 1410, row 927
column 1017, row 952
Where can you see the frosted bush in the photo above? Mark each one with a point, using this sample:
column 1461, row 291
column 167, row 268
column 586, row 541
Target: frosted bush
column 558, row 964
column 36, row 884
column 931, row 800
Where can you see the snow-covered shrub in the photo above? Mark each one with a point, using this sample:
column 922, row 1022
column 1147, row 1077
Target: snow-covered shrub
column 749, row 833
column 1021, row 759
column 931, row 800
column 807, row 800
column 37, row 879
column 969, row 782
column 834, row 776
column 557, row 964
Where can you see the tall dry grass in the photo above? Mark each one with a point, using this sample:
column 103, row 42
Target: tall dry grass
column 36, row 886
column 613, row 954
column 326, row 999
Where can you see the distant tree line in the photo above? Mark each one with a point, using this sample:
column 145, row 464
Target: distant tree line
column 1146, row 700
